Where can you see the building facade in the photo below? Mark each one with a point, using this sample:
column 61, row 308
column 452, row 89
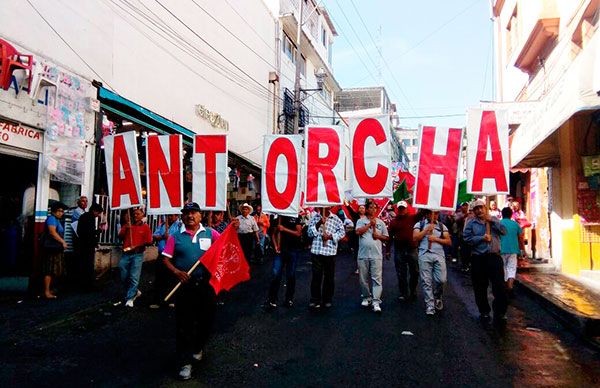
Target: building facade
column 84, row 70
column 548, row 77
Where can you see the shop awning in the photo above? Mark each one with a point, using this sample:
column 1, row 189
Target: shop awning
column 534, row 142
column 134, row 112
column 126, row 107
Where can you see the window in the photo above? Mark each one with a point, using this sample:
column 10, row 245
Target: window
column 302, row 65
column 324, row 37
column 326, row 94
column 406, row 142
column 289, row 49
column 415, row 142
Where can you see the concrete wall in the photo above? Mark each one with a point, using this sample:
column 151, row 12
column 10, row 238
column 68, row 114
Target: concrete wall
column 159, row 63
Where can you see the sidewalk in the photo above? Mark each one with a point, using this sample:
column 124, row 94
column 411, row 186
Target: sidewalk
column 573, row 302
column 19, row 313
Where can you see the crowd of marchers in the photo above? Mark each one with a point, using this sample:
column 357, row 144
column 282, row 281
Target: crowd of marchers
column 485, row 242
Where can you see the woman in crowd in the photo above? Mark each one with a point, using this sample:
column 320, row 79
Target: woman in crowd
column 54, row 248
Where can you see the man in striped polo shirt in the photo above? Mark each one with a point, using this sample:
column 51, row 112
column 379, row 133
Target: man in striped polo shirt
column 195, row 305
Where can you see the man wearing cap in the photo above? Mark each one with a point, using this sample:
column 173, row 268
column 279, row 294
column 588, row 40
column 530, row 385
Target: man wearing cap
column 195, row 300
column 405, row 252
column 247, row 231
column 482, row 233
column 88, row 241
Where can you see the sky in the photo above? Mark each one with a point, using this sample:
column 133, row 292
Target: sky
column 437, row 54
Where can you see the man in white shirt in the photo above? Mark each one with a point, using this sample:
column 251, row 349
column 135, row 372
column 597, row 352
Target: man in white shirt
column 247, row 231
column 372, row 233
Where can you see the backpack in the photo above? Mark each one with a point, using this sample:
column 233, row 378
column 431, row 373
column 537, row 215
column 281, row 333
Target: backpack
column 438, row 223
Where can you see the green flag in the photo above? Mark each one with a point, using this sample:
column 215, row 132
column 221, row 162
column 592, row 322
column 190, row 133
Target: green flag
column 462, row 193
column 401, row 192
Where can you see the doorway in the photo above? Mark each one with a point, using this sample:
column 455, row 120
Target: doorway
column 17, row 213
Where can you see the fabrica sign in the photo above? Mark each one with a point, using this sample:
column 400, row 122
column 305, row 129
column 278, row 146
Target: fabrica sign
column 21, row 136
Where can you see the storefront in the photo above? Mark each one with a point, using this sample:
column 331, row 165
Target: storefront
column 45, row 126
column 555, row 152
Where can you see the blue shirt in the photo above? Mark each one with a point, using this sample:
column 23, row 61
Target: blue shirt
column 160, row 231
column 473, row 235
column 509, row 243
column 53, row 221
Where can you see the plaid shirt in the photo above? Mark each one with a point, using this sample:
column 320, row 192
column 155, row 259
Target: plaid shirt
column 334, row 227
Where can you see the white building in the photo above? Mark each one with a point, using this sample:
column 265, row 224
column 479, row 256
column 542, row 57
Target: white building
column 154, row 67
column 548, row 77
column 409, row 138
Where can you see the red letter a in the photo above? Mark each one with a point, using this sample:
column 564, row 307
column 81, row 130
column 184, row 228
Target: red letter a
column 493, row 168
column 125, row 185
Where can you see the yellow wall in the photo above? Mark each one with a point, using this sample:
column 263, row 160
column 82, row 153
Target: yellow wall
column 575, row 252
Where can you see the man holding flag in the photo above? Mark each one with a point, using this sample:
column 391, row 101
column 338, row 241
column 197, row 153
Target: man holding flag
column 196, row 299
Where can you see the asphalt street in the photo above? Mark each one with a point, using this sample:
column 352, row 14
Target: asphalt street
column 84, row 340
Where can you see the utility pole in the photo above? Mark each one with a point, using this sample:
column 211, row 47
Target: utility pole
column 298, row 63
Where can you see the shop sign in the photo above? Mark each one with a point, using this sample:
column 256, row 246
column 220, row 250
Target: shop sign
column 21, row 136
column 215, row 119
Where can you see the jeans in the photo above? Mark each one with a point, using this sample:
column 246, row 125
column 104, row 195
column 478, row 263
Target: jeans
column 131, row 269
column 290, row 260
column 485, row 269
column 323, row 275
column 372, row 268
column 195, row 309
column 433, row 277
column 407, row 270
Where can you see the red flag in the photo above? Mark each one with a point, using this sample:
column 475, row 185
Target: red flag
column 226, row 262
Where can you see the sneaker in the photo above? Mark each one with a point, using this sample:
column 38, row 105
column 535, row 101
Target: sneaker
column 289, row 303
column 197, row 356
column 186, row 372
column 154, row 306
column 365, row 303
column 137, row 295
column 129, row 303
column 402, row 298
column 439, row 304
column 376, row 308
column 314, row 305
column 430, row 311
column 271, row 305
column 484, row 318
column 328, row 305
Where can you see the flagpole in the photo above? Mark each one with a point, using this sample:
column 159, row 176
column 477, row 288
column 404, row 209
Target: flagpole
column 179, row 284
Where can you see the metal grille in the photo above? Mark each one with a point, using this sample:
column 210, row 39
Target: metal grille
column 590, row 233
column 109, row 236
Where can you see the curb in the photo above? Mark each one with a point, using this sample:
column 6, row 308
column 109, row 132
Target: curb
column 584, row 326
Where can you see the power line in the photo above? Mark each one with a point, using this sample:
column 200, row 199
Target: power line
column 382, row 58
column 213, row 48
column 69, row 46
column 190, row 49
column 178, row 59
column 432, row 33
